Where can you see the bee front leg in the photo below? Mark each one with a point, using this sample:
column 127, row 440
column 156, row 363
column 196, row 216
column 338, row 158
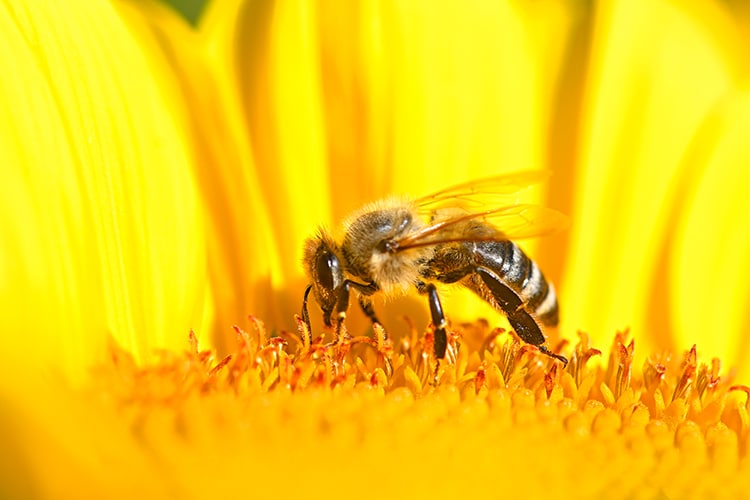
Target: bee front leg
column 306, row 314
column 342, row 303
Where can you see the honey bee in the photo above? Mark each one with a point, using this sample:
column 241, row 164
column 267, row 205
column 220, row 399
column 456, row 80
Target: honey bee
column 398, row 244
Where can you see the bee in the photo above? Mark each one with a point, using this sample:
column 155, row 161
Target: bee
column 399, row 244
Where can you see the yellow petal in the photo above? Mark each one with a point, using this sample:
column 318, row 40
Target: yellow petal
column 102, row 233
column 708, row 265
column 648, row 91
column 242, row 255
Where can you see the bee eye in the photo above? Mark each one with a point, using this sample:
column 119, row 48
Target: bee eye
column 328, row 270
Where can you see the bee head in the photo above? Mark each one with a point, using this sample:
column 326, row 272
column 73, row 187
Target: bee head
column 325, row 270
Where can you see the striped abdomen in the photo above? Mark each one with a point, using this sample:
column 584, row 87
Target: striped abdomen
column 521, row 274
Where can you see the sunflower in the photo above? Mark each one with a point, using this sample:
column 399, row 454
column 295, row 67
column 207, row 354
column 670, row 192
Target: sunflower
column 160, row 180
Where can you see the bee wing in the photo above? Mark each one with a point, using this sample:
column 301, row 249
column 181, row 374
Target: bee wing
column 499, row 190
column 522, row 221
column 511, row 222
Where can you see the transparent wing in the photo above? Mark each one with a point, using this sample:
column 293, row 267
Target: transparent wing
column 518, row 222
column 511, row 222
column 496, row 191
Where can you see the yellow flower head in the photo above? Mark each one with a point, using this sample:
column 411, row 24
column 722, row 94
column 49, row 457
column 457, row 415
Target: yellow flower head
column 162, row 179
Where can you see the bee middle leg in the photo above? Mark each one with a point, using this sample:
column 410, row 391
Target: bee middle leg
column 366, row 306
column 438, row 318
column 438, row 321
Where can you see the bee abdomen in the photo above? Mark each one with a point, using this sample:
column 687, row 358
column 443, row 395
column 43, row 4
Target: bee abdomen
column 522, row 275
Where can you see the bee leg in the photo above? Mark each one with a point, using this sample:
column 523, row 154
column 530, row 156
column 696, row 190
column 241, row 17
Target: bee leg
column 522, row 322
column 367, row 308
column 306, row 315
column 342, row 304
column 551, row 354
column 438, row 321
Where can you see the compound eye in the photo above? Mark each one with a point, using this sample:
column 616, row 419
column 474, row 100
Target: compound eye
column 328, row 270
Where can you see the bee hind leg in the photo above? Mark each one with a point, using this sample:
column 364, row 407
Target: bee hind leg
column 551, row 354
column 511, row 304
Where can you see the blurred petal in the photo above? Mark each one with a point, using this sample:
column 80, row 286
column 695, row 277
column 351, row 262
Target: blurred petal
column 242, row 254
column 739, row 10
column 656, row 71
column 102, row 236
column 102, row 233
column 277, row 74
column 708, row 265
column 72, row 445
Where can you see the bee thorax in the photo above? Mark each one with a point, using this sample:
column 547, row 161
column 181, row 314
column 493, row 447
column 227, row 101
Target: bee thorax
column 396, row 273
